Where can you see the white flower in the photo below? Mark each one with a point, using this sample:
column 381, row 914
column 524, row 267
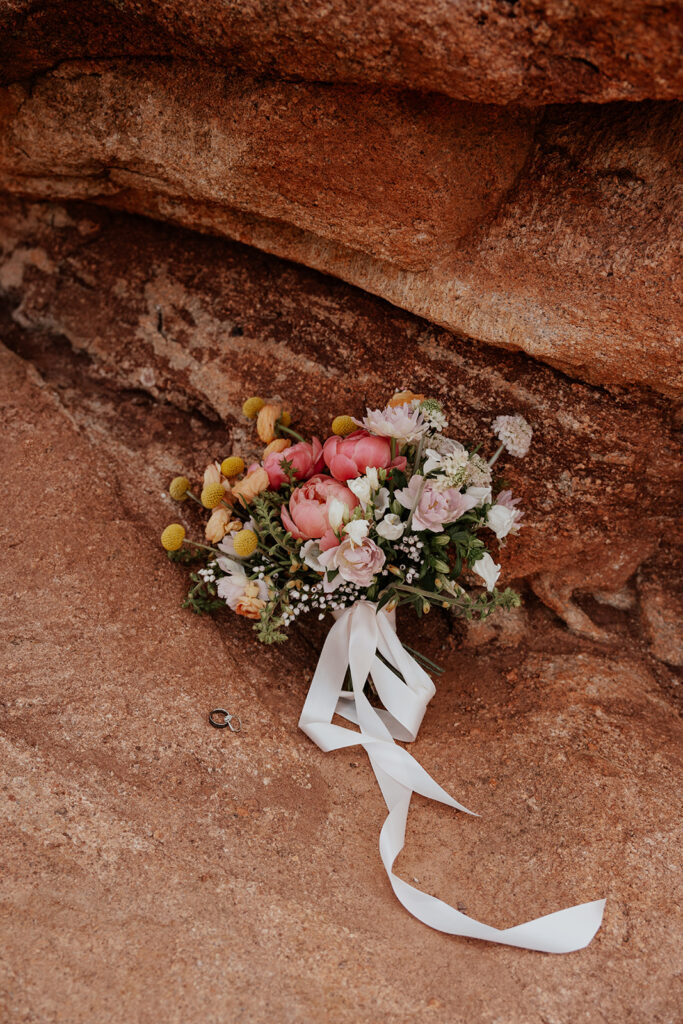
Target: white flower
column 391, row 527
column 478, row 472
column 487, row 569
column 372, row 476
column 515, row 433
column 357, row 530
column 445, row 445
column 400, row 421
column 337, row 513
column 231, row 588
column 361, row 488
column 501, row 519
column 432, row 412
column 381, row 502
column 310, row 552
column 482, row 495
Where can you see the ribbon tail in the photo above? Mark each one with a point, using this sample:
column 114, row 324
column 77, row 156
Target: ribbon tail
column 353, row 641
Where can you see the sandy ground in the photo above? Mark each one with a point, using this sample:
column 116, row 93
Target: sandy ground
column 154, row 869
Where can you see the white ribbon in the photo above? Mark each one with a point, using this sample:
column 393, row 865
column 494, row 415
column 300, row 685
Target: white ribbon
column 354, row 641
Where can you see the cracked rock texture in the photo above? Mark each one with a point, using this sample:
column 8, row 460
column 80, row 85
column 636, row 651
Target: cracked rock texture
column 556, row 232
column 493, row 187
column 155, row 869
column 203, row 322
column 487, row 51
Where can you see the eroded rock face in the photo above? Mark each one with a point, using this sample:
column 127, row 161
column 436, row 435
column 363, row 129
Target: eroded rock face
column 144, row 853
column 487, row 51
column 204, row 323
column 556, row 234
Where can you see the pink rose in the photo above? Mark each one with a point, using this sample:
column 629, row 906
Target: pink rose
column 306, row 459
column 348, row 457
column 307, row 517
column 435, row 507
column 357, row 563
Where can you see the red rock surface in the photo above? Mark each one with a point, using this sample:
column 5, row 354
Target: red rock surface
column 155, row 869
column 490, row 51
column 204, row 323
column 557, row 234
column 453, row 160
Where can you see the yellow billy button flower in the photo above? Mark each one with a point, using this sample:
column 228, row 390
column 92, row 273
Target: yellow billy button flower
column 212, row 495
column 232, row 466
column 178, row 488
column 286, row 418
column 343, row 425
column 252, row 407
column 245, row 543
column 173, row 536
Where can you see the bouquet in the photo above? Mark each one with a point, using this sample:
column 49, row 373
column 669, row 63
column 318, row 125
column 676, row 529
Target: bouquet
column 389, row 510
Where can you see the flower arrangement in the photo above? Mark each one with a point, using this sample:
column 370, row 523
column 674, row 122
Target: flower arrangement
column 387, row 509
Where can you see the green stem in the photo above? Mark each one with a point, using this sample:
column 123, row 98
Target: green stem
column 430, row 595
column 494, row 458
column 415, row 504
column 418, row 454
column 423, row 658
column 194, row 497
column 206, row 547
column 287, row 430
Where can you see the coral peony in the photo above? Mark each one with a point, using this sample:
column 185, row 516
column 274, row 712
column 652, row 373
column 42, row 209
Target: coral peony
column 308, row 515
column 306, row 460
column 348, row 457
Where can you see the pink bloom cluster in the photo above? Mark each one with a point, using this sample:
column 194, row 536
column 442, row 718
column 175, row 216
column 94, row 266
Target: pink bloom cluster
column 349, row 457
column 435, row 508
column 305, row 459
column 308, row 515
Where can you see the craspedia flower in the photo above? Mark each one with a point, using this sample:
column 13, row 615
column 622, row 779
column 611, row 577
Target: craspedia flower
column 245, row 543
column 178, row 488
column 232, row 466
column 252, row 408
column 173, row 536
column 286, row 418
column 212, row 495
column 343, row 425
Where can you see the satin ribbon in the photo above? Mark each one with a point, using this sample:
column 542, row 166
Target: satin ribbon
column 354, row 641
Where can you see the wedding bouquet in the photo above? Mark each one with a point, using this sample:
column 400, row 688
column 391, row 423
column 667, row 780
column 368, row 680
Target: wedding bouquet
column 387, row 511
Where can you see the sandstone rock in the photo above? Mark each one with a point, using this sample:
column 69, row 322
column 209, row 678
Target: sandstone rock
column 204, row 323
column 558, row 236
column 154, row 869
column 480, row 50
column 661, row 604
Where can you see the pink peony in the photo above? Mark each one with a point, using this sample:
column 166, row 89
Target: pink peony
column 357, row 563
column 306, row 460
column 307, row 517
column 348, row 457
column 435, row 507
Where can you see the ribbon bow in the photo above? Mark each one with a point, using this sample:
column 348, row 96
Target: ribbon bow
column 355, row 640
